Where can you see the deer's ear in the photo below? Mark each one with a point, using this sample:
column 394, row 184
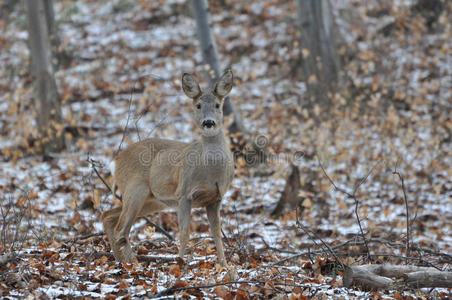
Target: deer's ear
column 224, row 84
column 190, row 86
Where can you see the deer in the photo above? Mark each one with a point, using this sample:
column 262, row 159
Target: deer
column 155, row 174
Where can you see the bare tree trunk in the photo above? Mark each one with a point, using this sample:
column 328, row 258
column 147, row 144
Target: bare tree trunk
column 47, row 101
column 320, row 63
column 51, row 26
column 210, row 57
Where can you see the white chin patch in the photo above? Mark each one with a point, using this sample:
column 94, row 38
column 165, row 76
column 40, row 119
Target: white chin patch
column 209, row 131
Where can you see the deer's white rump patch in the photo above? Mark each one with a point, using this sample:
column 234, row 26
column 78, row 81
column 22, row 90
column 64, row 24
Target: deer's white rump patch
column 112, row 167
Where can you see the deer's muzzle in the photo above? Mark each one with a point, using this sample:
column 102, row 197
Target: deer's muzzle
column 208, row 123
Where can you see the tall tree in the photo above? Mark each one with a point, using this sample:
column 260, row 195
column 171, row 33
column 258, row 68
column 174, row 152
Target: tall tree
column 47, row 100
column 51, row 25
column 320, row 63
column 210, row 57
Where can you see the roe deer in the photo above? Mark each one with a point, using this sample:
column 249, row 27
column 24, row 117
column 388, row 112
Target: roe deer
column 154, row 174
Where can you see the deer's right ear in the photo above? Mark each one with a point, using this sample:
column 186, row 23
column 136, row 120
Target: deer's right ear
column 190, row 86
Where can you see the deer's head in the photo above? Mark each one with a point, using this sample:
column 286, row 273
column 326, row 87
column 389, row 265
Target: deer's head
column 208, row 104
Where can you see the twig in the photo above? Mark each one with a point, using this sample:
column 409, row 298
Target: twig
column 395, row 172
column 93, row 166
column 309, row 232
column 160, row 123
column 352, row 196
column 136, row 126
column 207, row 286
column 82, row 237
column 353, row 242
column 159, row 228
column 226, row 238
column 128, row 117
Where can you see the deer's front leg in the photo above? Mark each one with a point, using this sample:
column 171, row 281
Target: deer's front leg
column 183, row 215
column 213, row 214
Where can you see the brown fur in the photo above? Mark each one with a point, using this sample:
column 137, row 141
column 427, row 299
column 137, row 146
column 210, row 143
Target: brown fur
column 155, row 174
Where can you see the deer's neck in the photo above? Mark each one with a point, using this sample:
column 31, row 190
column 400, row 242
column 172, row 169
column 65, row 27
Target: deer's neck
column 214, row 142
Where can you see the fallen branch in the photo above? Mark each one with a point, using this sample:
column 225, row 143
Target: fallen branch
column 82, row 237
column 141, row 258
column 375, row 277
column 356, row 276
column 422, row 279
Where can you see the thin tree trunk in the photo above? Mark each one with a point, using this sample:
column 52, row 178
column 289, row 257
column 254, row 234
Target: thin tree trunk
column 47, row 100
column 320, row 63
column 51, row 25
column 210, row 57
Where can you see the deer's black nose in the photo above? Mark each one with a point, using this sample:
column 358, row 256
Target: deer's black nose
column 208, row 123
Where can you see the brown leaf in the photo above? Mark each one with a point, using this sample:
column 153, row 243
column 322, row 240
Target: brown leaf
column 180, row 284
column 222, row 292
column 175, row 270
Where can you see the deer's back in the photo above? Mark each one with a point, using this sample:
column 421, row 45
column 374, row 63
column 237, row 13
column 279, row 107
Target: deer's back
column 134, row 163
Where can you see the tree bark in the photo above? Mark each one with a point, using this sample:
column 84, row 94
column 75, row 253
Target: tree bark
column 432, row 279
column 365, row 279
column 210, row 57
column 47, row 100
column 51, row 25
column 320, row 63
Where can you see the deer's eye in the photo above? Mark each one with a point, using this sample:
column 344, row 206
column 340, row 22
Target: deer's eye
column 217, row 105
column 198, row 106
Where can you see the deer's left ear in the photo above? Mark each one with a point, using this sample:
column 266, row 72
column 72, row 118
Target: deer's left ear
column 224, row 84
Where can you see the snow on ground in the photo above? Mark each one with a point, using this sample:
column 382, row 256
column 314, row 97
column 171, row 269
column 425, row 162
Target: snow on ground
column 399, row 120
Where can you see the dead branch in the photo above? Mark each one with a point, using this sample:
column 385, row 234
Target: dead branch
column 82, row 237
column 394, row 271
column 353, row 196
column 310, row 232
column 354, row 242
column 422, row 279
column 128, row 118
column 375, row 277
column 355, row 276
column 141, row 258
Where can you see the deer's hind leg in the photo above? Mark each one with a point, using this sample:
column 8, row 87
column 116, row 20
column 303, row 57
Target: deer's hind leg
column 134, row 198
column 110, row 219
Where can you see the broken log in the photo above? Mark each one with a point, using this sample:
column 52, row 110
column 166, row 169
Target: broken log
column 394, row 271
column 365, row 279
column 422, row 279
column 377, row 277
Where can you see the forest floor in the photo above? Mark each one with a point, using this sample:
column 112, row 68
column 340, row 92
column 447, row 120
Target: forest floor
column 124, row 60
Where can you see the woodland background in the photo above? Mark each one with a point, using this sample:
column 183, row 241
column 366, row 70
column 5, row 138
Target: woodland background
column 348, row 164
